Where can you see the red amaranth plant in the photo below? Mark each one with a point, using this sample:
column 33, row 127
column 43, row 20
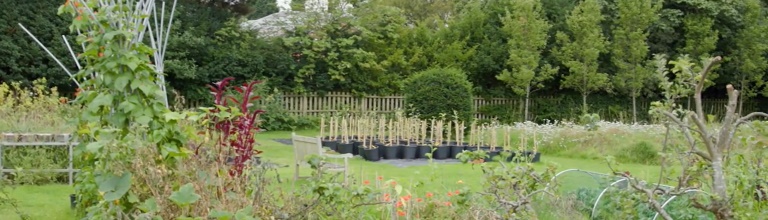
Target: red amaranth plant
column 236, row 133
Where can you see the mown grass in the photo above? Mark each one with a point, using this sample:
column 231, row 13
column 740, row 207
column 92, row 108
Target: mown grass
column 52, row 201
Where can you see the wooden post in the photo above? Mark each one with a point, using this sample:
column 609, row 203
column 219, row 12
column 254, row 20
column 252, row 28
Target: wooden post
column 304, row 104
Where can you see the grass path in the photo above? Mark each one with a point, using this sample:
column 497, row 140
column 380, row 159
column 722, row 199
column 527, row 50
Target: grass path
column 52, row 201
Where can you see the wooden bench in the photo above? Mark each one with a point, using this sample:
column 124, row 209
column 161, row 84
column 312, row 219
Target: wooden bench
column 304, row 146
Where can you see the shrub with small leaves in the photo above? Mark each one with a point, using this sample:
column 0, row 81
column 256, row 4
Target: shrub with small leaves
column 433, row 92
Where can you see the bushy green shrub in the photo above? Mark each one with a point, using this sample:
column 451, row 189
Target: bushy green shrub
column 277, row 118
column 641, row 152
column 440, row 90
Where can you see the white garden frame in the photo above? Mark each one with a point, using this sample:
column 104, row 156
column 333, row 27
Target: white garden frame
column 621, row 179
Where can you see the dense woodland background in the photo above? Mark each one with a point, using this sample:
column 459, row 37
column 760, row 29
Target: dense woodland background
column 385, row 41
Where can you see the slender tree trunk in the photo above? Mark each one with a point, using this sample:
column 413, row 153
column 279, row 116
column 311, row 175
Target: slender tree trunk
column 634, row 107
column 584, row 109
column 741, row 96
column 527, row 101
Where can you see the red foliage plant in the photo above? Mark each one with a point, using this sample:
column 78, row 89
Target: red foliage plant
column 236, row 134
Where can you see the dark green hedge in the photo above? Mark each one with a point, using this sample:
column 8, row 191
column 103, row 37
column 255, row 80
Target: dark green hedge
column 441, row 90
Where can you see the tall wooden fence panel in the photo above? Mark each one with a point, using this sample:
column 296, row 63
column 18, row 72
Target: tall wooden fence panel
column 315, row 105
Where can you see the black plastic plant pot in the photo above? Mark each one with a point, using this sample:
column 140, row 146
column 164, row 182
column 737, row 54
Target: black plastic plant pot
column 72, row 201
column 534, row 157
column 371, row 154
column 330, row 144
column 356, row 147
column 360, row 150
column 442, row 152
column 455, row 149
column 423, row 150
column 400, row 151
column 391, row 152
column 409, row 151
column 344, row 148
column 511, row 156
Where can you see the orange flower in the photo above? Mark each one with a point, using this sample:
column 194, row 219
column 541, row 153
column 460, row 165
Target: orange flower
column 450, row 194
column 419, row 200
column 366, row 182
column 429, row 195
column 399, row 204
column 457, row 192
column 79, row 18
column 400, row 213
column 406, row 198
column 380, row 178
column 393, row 183
column 386, row 197
column 447, row 203
column 101, row 54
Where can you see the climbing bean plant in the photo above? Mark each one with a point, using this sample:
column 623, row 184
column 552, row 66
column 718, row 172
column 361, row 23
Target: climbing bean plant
column 122, row 106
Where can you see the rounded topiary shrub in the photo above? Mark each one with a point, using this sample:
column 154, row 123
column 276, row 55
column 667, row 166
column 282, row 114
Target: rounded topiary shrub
column 435, row 91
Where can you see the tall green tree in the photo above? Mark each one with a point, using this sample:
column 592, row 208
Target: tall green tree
column 629, row 48
column 700, row 40
column 752, row 48
column 526, row 30
column 700, row 37
column 581, row 49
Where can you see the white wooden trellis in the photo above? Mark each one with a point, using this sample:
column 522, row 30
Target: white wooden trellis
column 35, row 140
column 139, row 19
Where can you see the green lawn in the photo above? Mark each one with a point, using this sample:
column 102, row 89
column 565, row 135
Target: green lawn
column 52, row 201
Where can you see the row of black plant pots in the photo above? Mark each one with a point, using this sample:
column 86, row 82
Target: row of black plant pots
column 409, row 150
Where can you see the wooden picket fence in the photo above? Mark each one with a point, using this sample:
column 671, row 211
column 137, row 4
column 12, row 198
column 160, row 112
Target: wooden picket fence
column 315, row 105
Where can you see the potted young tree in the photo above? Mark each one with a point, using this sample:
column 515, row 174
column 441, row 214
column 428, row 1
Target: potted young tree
column 411, row 134
column 508, row 153
column 330, row 140
column 357, row 141
column 533, row 155
column 424, row 144
column 493, row 133
column 345, row 145
column 459, row 145
column 441, row 150
column 370, row 150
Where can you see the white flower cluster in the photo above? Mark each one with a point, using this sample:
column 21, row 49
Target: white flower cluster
column 558, row 133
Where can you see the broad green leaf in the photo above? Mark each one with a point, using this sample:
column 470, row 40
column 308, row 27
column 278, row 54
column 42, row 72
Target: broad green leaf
column 132, row 64
column 149, row 205
column 221, row 215
column 132, row 198
column 245, row 214
column 94, row 147
column 185, row 195
column 399, row 189
column 115, row 187
column 122, row 80
column 171, row 116
column 143, row 120
column 101, row 99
